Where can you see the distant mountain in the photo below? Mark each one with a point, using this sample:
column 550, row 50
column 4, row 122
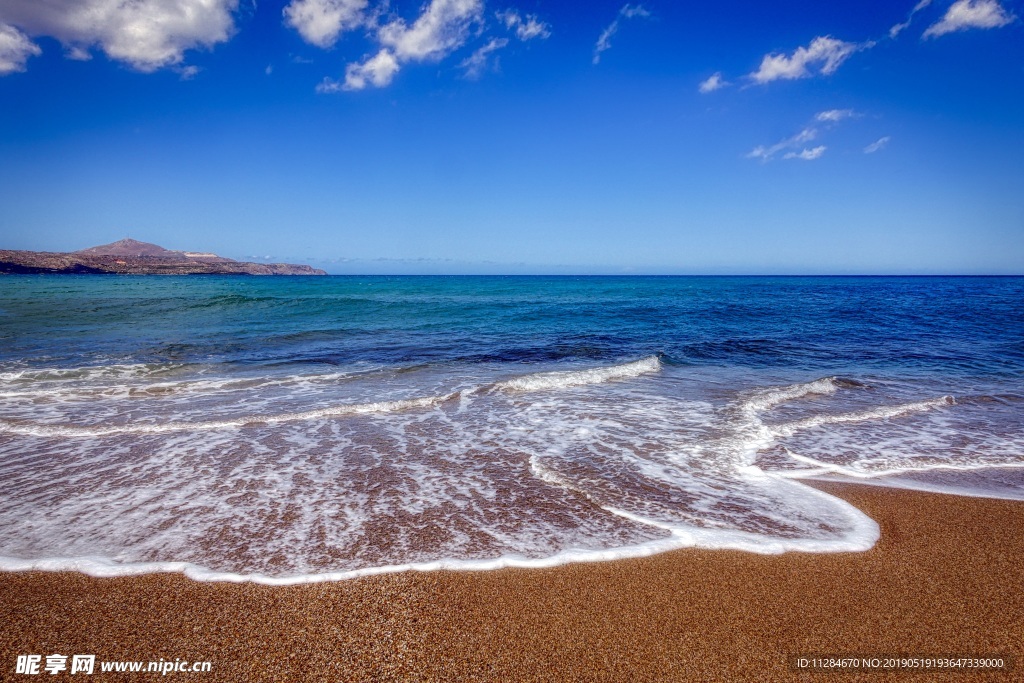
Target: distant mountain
column 132, row 257
column 130, row 247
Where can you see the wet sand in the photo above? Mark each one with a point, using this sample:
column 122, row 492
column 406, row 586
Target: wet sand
column 947, row 577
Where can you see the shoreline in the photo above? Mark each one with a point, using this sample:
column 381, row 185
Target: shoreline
column 945, row 578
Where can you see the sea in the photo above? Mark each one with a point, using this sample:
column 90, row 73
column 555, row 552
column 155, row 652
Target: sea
column 295, row 429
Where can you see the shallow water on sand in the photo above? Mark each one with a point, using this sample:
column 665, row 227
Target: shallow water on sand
column 291, row 429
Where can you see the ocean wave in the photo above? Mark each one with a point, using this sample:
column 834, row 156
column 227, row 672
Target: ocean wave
column 90, row 372
column 36, row 429
column 564, row 379
column 544, row 381
column 766, row 399
column 154, row 389
column 881, row 413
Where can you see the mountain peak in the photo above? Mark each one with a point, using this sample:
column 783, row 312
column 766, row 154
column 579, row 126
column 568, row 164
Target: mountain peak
column 130, row 247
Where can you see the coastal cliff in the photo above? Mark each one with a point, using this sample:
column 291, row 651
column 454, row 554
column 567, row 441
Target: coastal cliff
column 131, row 257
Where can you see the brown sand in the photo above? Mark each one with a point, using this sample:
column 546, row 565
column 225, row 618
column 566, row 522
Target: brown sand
column 946, row 577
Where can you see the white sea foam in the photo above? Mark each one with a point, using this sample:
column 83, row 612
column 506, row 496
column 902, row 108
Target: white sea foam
column 766, row 399
column 320, row 413
column 864, row 470
column 898, row 480
column 564, row 379
column 862, row 537
column 881, row 413
column 93, row 372
column 80, row 384
column 472, row 473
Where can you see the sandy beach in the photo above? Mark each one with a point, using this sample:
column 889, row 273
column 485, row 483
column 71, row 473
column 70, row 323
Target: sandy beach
column 945, row 578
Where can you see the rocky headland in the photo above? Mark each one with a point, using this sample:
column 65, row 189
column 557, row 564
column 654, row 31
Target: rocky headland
column 131, row 257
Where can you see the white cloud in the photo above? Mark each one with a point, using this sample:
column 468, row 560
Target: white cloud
column 713, row 83
column 15, row 49
column 835, row 115
column 320, row 22
column 825, row 54
column 878, row 144
column 898, row 28
column 968, row 14
column 532, row 28
column 766, row 153
column 377, row 71
column 525, row 29
column 604, row 41
column 476, row 63
column 441, row 28
column 147, row 34
column 807, row 154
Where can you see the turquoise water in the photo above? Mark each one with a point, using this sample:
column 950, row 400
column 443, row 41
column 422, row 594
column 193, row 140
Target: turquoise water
column 290, row 429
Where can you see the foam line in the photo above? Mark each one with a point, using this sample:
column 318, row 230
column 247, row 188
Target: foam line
column 334, row 411
column 897, row 482
column 855, row 473
column 115, row 371
column 563, row 379
column 863, row 536
column 188, row 386
column 883, row 413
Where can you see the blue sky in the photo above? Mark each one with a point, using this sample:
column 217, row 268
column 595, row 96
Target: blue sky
column 468, row 136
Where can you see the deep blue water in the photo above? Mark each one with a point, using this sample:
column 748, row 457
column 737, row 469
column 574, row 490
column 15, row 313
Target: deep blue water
column 959, row 325
column 321, row 426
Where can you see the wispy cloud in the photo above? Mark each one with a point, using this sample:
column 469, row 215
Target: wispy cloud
column 807, row 154
column 320, row 22
column 635, row 11
column 15, row 49
column 795, row 147
column 525, row 29
column 967, row 14
column 187, row 73
column 898, row 28
column 77, row 54
column 877, row 145
column 822, row 56
column 767, row 153
column 834, row 115
column 604, row 41
column 713, row 83
column 146, row 35
column 475, row 65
